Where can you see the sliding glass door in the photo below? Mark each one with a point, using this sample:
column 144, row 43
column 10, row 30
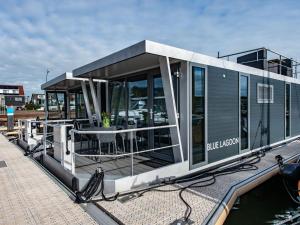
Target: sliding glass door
column 138, row 102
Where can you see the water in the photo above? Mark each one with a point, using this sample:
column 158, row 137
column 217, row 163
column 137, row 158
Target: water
column 269, row 203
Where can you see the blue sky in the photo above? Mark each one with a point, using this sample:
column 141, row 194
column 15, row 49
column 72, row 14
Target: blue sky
column 62, row 35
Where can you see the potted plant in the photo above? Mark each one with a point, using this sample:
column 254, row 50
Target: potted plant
column 105, row 119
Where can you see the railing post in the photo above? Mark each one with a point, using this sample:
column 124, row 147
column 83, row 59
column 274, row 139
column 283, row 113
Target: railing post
column 72, row 152
column 280, row 69
column 131, row 151
column 45, row 138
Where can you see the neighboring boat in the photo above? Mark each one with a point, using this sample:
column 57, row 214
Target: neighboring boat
column 290, row 173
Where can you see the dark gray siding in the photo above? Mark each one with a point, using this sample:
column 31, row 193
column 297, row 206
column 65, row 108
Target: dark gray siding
column 222, row 111
column 266, row 120
column 295, row 109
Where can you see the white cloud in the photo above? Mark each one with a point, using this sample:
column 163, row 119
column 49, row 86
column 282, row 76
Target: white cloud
column 62, row 35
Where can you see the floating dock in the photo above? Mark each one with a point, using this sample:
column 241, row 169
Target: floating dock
column 29, row 196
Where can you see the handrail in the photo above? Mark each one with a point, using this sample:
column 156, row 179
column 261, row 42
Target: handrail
column 126, row 154
column 119, row 131
column 51, row 121
column 131, row 153
column 238, row 53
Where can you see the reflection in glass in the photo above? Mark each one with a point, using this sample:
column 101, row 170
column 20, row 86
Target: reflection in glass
column 72, row 105
column 244, row 112
column 80, row 106
column 118, row 104
column 198, row 115
column 138, row 103
column 287, row 109
column 56, row 105
column 159, row 103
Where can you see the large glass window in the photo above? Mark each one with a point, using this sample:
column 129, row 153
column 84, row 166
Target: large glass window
column 138, row 102
column 56, row 105
column 118, row 104
column 244, row 115
column 80, row 106
column 287, row 109
column 198, row 115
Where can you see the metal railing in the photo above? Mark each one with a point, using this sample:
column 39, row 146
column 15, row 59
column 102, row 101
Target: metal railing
column 271, row 63
column 132, row 134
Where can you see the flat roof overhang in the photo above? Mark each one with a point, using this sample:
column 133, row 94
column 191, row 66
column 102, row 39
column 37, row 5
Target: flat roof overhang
column 64, row 82
column 145, row 55
column 139, row 57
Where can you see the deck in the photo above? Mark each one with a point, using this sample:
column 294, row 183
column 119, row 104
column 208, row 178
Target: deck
column 210, row 205
column 118, row 167
column 29, row 196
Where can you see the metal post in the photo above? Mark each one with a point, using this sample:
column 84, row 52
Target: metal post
column 99, row 96
column 96, row 103
column 87, row 102
column 72, row 152
column 45, row 137
column 106, row 97
column 280, row 65
column 68, row 105
column 170, row 105
column 131, row 150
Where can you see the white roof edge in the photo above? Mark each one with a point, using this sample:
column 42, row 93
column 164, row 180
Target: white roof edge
column 151, row 47
column 66, row 76
column 189, row 56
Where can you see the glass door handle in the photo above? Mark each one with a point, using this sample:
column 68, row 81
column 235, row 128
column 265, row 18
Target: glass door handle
column 151, row 114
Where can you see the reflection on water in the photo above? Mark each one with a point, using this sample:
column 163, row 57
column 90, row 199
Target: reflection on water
column 267, row 204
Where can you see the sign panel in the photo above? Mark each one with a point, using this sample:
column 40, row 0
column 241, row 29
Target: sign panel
column 10, row 111
column 11, row 100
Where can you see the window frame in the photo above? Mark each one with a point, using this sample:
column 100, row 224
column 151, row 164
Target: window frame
column 271, row 95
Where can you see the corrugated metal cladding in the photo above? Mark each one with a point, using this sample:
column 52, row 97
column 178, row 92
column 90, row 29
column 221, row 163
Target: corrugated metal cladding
column 222, row 111
column 295, row 109
column 266, row 120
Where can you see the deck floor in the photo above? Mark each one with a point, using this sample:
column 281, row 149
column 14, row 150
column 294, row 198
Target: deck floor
column 29, row 196
column 119, row 167
column 158, row 208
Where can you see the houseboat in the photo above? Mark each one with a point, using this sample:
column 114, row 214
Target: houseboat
column 152, row 111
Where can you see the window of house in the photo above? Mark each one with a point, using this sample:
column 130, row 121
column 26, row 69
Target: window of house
column 265, row 93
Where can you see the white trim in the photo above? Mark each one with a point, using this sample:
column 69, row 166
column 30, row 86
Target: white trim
column 265, row 100
column 249, row 96
column 67, row 76
column 158, row 49
column 181, row 54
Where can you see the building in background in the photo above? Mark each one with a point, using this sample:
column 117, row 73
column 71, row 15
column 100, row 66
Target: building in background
column 11, row 95
column 38, row 99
